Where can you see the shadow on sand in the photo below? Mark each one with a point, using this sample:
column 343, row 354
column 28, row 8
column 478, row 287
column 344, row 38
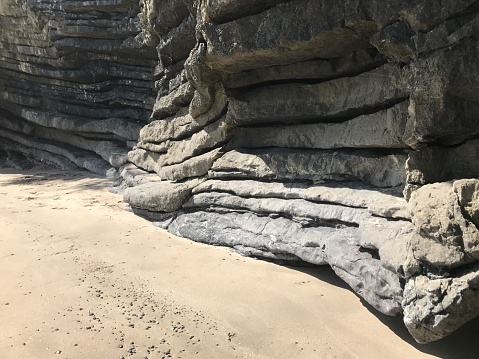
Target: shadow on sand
column 35, row 176
column 462, row 344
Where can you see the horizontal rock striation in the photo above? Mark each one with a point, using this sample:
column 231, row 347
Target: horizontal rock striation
column 340, row 134
column 76, row 82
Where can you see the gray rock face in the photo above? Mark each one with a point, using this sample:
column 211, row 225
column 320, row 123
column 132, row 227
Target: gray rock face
column 316, row 166
column 76, row 81
column 336, row 133
column 431, row 309
column 158, row 197
column 281, row 238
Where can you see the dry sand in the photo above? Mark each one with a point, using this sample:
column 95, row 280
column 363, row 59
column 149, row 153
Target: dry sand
column 83, row 278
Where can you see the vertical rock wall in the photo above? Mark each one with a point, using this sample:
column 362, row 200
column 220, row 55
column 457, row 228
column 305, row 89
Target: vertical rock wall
column 77, row 82
column 341, row 134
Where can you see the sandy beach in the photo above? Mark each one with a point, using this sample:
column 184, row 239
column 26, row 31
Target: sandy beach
column 81, row 277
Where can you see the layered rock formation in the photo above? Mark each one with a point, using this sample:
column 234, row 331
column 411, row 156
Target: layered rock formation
column 77, row 82
column 302, row 130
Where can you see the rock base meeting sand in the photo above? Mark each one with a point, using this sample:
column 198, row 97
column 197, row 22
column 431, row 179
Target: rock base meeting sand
column 83, row 278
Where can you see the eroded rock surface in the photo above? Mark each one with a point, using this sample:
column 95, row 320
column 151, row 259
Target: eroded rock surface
column 341, row 134
column 77, row 82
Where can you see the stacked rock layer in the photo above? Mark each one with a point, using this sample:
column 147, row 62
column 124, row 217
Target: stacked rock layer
column 76, row 83
column 342, row 134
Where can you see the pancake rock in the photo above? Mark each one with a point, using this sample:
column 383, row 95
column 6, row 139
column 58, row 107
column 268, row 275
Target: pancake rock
column 341, row 134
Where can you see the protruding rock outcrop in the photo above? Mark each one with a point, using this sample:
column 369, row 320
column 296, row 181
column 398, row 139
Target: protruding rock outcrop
column 341, row 134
